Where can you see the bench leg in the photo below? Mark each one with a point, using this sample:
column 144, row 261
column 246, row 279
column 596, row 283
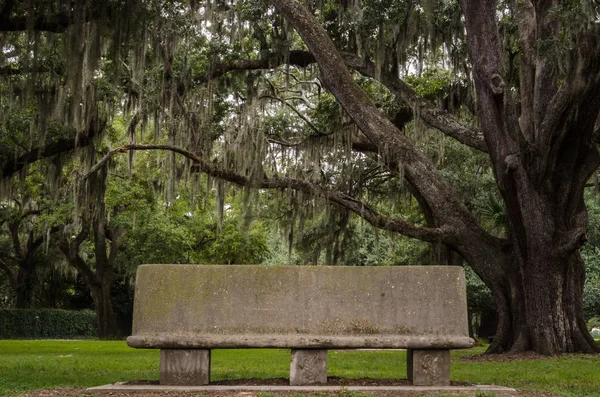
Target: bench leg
column 308, row 367
column 428, row 367
column 186, row 367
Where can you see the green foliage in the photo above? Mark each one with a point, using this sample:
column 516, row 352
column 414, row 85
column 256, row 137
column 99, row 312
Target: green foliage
column 432, row 84
column 490, row 209
column 47, row 323
column 591, row 255
column 479, row 296
column 327, row 113
column 233, row 245
column 594, row 323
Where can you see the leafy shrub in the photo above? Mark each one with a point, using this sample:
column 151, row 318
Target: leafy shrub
column 47, row 323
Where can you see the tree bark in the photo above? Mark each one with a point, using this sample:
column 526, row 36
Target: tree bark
column 542, row 155
column 99, row 280
column 24, row 285
column 105, row 316
column 24, row 257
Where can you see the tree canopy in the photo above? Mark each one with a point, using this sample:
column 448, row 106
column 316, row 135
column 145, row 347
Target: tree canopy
column 469, row 125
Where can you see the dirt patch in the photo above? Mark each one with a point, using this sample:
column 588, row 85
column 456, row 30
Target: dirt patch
column 331, row 381
column 506, row 357
column 69, row 392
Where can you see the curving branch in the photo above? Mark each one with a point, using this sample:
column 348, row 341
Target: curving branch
column 270, row 61
column 70, row 249
column 398, row 225
column 63, row 145
column 435, row 117
column 53, row 23
column 429, row 113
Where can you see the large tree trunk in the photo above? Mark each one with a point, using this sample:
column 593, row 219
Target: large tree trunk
column 99, row 281
column 105, row 258
column 24, row 286
column 105, row 315
column 542, row 153
column 540, row 300
column 544, row 313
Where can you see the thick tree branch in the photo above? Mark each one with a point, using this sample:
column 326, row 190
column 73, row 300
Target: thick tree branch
column 60, row 146
column 429, row 113
column 527, row 29
column 394, row 147
column 217, row 171
column 114, row 237
column 59, row 22
column 13, row 70
column 34, row 243
column 272, row 60
column 46, row 23
column 71, row 251
column 496, row 113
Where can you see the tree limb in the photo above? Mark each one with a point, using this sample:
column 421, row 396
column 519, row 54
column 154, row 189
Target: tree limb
column 366, row 212
column 71, row 251
column 495, row 109
column 55, row 24
column 272, row 60
column 393, row 146
column 13, row 70
column 60, row 146
column 431, row 114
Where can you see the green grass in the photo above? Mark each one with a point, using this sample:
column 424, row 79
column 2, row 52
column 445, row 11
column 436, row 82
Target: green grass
column 31, row 365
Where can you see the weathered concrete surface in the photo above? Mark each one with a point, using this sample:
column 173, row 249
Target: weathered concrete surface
column 396, row 390
column 429, row 367
column 209, row 306
column 179, row 367
column 308, row 367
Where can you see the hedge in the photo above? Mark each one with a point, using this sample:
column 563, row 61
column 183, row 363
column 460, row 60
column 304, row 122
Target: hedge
column 47, row 323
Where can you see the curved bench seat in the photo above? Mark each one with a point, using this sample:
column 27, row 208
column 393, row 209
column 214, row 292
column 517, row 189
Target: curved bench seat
column 219, row 341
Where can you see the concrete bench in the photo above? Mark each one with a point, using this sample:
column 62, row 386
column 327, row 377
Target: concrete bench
column 187, row 310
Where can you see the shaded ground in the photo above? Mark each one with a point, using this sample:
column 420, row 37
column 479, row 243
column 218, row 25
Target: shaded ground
column 331, row 381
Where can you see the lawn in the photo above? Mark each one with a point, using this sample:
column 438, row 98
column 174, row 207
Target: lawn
column 31, row 365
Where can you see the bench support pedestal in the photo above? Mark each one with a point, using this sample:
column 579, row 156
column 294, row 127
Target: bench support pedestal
column 428, row 367
column 185, row 367
column 308, row 367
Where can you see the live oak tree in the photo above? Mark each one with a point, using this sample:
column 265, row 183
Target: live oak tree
column 539, row 137
column 22, row 256
column 206, row 77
